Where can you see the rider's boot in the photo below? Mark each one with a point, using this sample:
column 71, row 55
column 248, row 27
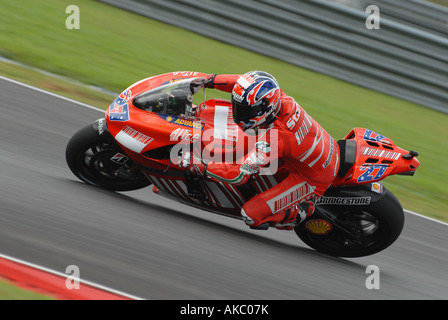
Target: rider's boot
column 306, row 209
column 296, row 215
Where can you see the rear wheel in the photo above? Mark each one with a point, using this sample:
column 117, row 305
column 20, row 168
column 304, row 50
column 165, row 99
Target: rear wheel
column 360, row 231
column 97, row 160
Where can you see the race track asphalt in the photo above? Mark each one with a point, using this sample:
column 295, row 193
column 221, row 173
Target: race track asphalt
column 153, row 248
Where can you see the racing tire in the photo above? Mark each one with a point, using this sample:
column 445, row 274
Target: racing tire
column 89, row 155
column 374, row 227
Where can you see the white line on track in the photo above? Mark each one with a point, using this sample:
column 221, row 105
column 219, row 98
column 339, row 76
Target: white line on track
column 102, row 111
column 425, row 217
column 52, row 94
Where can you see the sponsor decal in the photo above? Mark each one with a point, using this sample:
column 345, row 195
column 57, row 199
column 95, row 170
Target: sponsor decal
column 184, row 135
column 256, row 159
column 119, row 109
column 377, row 187
column 290, row 196
column 132, row 139
column 330, row 154
column 253, row 163
column 185, row 73
column 318, row 226
column 183, row 122
column 237, row 97
column 102, row 126
column 120, row 158
column 345, row 201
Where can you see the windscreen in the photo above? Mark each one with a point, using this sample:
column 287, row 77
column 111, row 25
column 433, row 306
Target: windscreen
column 175, row 99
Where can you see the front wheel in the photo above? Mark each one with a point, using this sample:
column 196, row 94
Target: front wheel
column 95, row 158
column 354, row 231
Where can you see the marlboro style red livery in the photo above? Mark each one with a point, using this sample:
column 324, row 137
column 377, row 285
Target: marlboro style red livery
column 212, row 154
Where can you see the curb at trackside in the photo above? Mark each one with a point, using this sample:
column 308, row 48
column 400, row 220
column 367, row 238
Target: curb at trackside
column 52, row 283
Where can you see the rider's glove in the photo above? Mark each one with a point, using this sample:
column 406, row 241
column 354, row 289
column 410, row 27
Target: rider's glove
column 210, row 81
column 189, row 162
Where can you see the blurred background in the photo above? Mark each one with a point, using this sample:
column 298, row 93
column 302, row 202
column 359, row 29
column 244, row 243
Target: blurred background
column 405, row 56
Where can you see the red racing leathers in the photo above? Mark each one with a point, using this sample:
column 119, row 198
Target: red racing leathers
column 310, row 154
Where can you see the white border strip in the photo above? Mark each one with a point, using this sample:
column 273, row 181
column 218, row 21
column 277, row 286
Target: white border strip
column 426, row 217
column 101, row 110
column 52, row 94
column 64, row 275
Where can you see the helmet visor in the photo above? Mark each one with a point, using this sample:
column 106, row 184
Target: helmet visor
column 245, row 113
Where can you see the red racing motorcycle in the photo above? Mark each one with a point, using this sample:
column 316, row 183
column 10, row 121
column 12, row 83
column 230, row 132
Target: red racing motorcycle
column 147, row 127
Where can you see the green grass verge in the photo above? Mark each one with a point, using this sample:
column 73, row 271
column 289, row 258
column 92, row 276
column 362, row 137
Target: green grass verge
column 9, row 291
column 441, row 2
column 114, row 48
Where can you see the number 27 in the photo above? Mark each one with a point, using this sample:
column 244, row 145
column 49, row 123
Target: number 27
column 369, row 173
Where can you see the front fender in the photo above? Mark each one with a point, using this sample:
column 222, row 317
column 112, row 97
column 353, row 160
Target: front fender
column 100, row 127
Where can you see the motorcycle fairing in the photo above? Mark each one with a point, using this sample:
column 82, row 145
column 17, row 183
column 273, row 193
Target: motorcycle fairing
column 367, row 157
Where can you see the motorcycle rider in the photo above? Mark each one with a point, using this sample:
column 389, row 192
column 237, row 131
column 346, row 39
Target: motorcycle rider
column 310, row 153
